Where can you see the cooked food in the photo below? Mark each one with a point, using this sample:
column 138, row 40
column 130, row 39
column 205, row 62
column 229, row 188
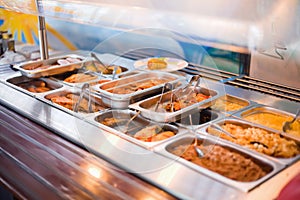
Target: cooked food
column 185, row 101
column 275, row 121
column 223, row 161
column 162, row 136
column 152, row 134
column 79, row 78
column 260, row 140
column 137, row 86
column 97, row 67
column 33, row 66
column 156, row 63
column 222, row 104
column 59, row 62
column 69, row 100
column 112, row 121
column 35, row 86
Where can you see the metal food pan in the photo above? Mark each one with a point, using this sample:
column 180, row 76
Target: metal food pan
column 121, row 101
column 62, row 77
column 220, row 104
column 147, row 106
column 95, row 101
column 32, row 86
column 56, row 69
column 96, row 67
column 129, row 73
column 116, row 122
column 210, row 143
column 199, row 118
column 266, row 116
column 257, row 142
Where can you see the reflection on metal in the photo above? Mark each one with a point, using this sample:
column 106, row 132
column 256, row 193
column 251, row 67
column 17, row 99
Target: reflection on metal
column 42, row 31
column 277, row 55
column 266, row 87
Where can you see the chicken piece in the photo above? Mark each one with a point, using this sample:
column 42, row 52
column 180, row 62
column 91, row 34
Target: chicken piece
column 162, row 136
column 147, row 133
column 63, row 101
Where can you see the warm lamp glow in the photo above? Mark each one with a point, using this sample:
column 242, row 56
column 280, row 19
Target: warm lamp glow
column 95, row 172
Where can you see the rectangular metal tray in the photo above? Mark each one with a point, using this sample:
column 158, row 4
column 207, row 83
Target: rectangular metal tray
column 221, row 101
column 91, row 65
column 147, row 106
column 57, row 69
column 121, row 101
column 80, row 114
column 259, row 108
column 199, row 118
column 166, row 148
column 61, row 78
column 127, row 131
column 17, row 81
column 245, row 124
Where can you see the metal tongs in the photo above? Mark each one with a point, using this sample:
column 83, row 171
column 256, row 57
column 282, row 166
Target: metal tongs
column 182, row 91
column 167, row 86
column 130, row 120
column 105, row 67
column 84, row 88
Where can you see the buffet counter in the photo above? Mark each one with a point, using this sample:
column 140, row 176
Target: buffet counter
column 69, row 154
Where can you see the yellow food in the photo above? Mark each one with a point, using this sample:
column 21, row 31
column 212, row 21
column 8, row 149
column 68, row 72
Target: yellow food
column 156, row 63
column 224, row 105
column 274, row 121
column 260, row 140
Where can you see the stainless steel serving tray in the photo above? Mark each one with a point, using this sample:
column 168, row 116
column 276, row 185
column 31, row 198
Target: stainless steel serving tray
column 62, row 92
column 14, row 81
column 259, row 108
column 232, row 99
column 147, row 106
column 61, row 78
column 200, row 118
column 166, row 148
column 57, row 69
column 121, row 101
column 98, row 71
column 245, row 124
column 127, row 132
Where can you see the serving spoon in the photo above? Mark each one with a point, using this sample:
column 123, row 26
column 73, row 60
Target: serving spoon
column 287, row 125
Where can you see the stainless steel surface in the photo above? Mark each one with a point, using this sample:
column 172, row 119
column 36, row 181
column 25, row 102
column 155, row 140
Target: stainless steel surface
column 15, row 82
column 121, row 101
column 166, row 150
column 58, row 69
column 282, row 91
column 245, row 124
column 127, row 132
column 147, row 106
column 162, row 171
